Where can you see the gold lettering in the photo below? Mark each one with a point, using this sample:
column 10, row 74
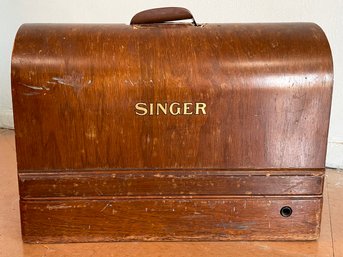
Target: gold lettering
column 200, row 107
column 162, row 108
column 174, row 108
column 141, row 109
column 151, row 109
column 178, row 109
column 186, row 107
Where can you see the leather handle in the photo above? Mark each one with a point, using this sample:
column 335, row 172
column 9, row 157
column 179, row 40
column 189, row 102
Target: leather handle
column 160, row 15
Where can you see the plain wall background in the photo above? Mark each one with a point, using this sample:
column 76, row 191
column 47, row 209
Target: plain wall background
column 326, row 13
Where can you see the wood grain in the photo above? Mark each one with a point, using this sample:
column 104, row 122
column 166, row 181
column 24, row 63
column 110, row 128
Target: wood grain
column 267, row 88
column 253, row 218
column 168, row 183
column 11, row 242
column 91, row 169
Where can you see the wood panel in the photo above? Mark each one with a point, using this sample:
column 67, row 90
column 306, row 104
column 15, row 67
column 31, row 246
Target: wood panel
column 267, row 89
column 11, row 243
column 130, row 219
column 148, row 183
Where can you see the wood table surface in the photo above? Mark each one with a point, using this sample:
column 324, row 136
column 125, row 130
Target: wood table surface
column 329, row 244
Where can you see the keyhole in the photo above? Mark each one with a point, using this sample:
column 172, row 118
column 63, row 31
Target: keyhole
column 286, row 211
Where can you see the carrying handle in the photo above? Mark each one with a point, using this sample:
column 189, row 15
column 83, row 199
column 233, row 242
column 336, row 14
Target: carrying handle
column 160, row 15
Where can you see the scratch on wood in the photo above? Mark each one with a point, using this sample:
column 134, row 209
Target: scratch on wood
column 107, row 205
column 56, row 207
column 74, row 80
column 35, row 87
column 295, row 185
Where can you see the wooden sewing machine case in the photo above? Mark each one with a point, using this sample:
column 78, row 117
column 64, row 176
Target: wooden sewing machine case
column 171, row 131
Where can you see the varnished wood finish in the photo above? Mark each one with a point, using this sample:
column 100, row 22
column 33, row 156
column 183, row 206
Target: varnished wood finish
column 147, row 183
column 170, row 219
column 90, row 169
column 328, row 245
column 267, row 90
